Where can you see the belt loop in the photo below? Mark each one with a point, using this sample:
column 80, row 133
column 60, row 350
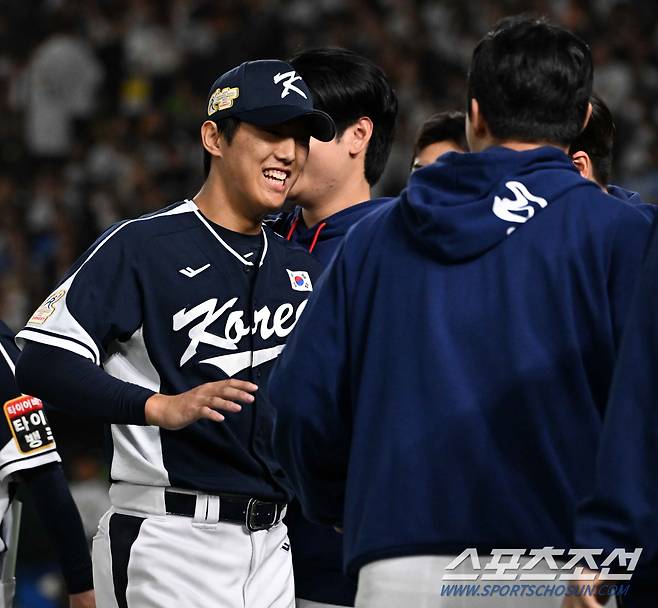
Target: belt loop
column 214, row 503
column 201, row 508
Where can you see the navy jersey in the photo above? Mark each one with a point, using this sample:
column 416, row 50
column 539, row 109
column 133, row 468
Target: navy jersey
column 26, row 440
column 457, row 357
column 165, row 303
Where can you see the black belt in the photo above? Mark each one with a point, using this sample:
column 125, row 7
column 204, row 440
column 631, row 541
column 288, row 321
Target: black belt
column 250, row 512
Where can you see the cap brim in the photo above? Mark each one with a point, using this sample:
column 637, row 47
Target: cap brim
column 320, row 124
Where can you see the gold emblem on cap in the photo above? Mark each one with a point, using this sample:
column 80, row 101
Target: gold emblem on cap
column 222, row 99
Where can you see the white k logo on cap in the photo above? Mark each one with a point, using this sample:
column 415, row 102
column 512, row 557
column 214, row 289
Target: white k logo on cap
column 288, row 84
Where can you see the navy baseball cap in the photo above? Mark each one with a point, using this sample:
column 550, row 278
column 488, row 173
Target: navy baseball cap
column 267, row 93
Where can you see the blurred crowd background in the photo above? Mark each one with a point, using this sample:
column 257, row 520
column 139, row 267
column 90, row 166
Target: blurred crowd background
column 101, row 103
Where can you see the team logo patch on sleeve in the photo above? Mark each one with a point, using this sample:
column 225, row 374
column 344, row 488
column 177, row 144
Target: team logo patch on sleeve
column 299, row 280
column 28, row 424
column 44, row 311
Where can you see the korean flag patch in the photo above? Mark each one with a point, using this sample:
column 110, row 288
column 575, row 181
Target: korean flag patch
column 299, row 280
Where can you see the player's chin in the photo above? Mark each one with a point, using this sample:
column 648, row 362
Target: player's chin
column 296, row 188
column 273, row 202
column 275, row 197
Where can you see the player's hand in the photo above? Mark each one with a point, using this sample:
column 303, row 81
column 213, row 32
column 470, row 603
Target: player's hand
column 86, row 599
column 174, row 412
column 583, row 601
column 594, row 600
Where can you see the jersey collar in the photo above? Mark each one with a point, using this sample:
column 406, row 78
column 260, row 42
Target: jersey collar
column 225, row 244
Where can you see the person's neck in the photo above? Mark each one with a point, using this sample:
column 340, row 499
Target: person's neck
column 314, row 214
column 214, row 203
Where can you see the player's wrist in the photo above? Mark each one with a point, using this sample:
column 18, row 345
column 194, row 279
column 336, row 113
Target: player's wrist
column 153, row 408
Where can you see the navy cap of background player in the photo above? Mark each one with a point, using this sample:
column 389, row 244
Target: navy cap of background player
column 267, row 93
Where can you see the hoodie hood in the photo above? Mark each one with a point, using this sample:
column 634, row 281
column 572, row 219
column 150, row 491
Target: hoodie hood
column 465, row 204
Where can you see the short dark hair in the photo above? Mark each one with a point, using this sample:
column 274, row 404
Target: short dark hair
column 348, row 86
column 598, row 140
column 444, row 126
column 226, row 127
column 532, row 81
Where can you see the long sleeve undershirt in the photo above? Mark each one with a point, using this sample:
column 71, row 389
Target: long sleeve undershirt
column 76, row 385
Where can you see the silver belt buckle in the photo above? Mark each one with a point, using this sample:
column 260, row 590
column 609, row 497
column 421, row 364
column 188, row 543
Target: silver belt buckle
column 253, row 527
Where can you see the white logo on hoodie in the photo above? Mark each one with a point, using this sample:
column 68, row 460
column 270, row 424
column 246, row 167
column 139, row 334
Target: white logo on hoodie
column 518, row 209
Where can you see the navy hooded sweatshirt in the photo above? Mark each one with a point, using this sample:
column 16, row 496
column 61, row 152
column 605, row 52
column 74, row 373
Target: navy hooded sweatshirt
column 323, row 239
column 623, row 511
column 317, row 550
column 649, row 210
column 446, row 385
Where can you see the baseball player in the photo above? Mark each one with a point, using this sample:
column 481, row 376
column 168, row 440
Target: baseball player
column 440, row 133
column 186, row 310
column 592, row 152
column 28, row 455
column 457, row 354
column 333, row 194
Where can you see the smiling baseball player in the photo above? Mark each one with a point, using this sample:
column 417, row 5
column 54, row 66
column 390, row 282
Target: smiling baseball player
column 186, row 310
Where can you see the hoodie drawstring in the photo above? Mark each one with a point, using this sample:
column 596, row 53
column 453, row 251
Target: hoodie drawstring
column 292, row 228
column 315, row 238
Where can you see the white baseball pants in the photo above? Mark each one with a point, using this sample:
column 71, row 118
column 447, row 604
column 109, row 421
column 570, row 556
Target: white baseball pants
column 153, row 560
column 417, row 581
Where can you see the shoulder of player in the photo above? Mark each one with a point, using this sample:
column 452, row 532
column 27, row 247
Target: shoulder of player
column 8, row 350
column 279, row 242
column 6, row 334
column 370, row 231
column 280, row 222
column 290, row 252
column 586, row 204
column 177, row 217
column 618, row 212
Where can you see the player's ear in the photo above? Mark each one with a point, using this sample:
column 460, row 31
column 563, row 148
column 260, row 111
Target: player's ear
column 478, row 124
column 211, row 139
column 361, row 132
column 588, row 115
column 583, row 163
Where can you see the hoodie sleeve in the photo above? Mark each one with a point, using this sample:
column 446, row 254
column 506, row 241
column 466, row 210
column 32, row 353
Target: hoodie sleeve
column 309, row 389
column 623, row 512
column 627, row 252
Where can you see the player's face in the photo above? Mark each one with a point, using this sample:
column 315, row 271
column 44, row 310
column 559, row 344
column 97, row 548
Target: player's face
column 327, row 168
column 262, row 164
column 430, row 153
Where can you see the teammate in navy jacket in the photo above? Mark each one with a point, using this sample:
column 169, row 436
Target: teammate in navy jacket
column 457, row 354
column 28, row 455
column 186, row 309
column 592, row 153
column 333, row 194
column 440, row 133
